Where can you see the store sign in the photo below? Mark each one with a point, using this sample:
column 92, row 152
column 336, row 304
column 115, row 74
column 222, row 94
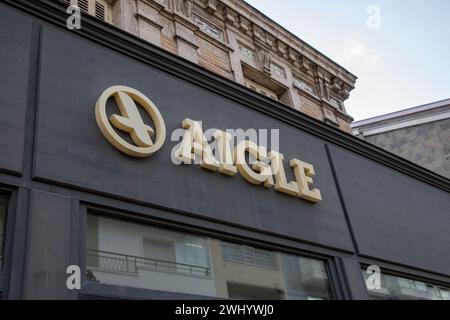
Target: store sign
column 265, row 168
column 130, row 121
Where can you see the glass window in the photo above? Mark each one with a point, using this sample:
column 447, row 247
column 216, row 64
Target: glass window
column 398, row 288
column 141, row 256
column 3, row 208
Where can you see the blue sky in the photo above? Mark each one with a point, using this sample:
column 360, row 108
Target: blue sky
column 403, row 63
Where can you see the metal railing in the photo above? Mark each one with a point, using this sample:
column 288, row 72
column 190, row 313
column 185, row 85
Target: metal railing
column 117, row 262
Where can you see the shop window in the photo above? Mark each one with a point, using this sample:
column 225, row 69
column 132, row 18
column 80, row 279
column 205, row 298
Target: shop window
column 398, row 288
column 98, row 8
column 3, row 209
column 136, row 255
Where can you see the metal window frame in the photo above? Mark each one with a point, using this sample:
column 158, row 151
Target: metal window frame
column 5, row 269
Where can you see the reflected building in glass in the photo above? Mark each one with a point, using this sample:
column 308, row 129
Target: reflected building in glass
column 141, row 256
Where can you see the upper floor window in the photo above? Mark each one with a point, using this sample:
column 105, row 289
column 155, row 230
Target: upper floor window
column 97, row 8
column 136, row 255
column 398, row 288
column 246, row 52
column 303, row 85
column 208, row 28
column 278, row 70
column 3, row 209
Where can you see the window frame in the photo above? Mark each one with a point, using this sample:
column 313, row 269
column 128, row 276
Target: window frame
column 92, row 290
column 3, row 231
column 11, row 195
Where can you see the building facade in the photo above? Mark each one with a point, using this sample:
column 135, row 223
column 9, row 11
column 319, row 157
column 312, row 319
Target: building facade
column 234, row 40
column 101, row 133
column 420, row 134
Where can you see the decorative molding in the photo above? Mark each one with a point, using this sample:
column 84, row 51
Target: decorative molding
column 335, row 103
column 282, row 49
column 184, row 7
column 245, row 25
column 304, row 64
column 210, row 6
column 259, row 34
column 265, row 60
column 292, row 56
column 295, row 42
column 231, row 17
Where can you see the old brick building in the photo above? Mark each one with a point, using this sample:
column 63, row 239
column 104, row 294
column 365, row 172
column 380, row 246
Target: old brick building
column 233, row 39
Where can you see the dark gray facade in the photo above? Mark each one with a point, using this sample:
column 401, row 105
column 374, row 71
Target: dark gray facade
column 55, row 165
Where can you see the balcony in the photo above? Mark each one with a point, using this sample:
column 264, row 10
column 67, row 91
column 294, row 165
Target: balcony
column 126, row 264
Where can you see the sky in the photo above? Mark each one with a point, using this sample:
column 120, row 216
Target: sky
column 398, row 49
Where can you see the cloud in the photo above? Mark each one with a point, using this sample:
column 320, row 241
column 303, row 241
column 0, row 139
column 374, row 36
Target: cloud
column 356, row 51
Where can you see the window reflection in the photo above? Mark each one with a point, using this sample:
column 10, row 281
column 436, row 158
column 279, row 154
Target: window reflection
column 397, row 288
column 140, row 256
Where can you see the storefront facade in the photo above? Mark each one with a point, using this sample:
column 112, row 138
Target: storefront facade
column 141, row 226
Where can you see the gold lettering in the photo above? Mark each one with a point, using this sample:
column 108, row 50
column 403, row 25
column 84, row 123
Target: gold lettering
column 281, row 183
column 304, row 173
column 224, row 150
column 195, row 143
column 260, row 172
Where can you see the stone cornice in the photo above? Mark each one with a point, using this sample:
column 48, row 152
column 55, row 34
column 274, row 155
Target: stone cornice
column 265, row 23
column 324, row 104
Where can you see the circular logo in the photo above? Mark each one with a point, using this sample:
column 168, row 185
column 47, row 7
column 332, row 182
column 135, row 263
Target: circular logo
column 131, row 122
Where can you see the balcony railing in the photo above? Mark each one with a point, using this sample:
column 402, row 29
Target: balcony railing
column 122, row 263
